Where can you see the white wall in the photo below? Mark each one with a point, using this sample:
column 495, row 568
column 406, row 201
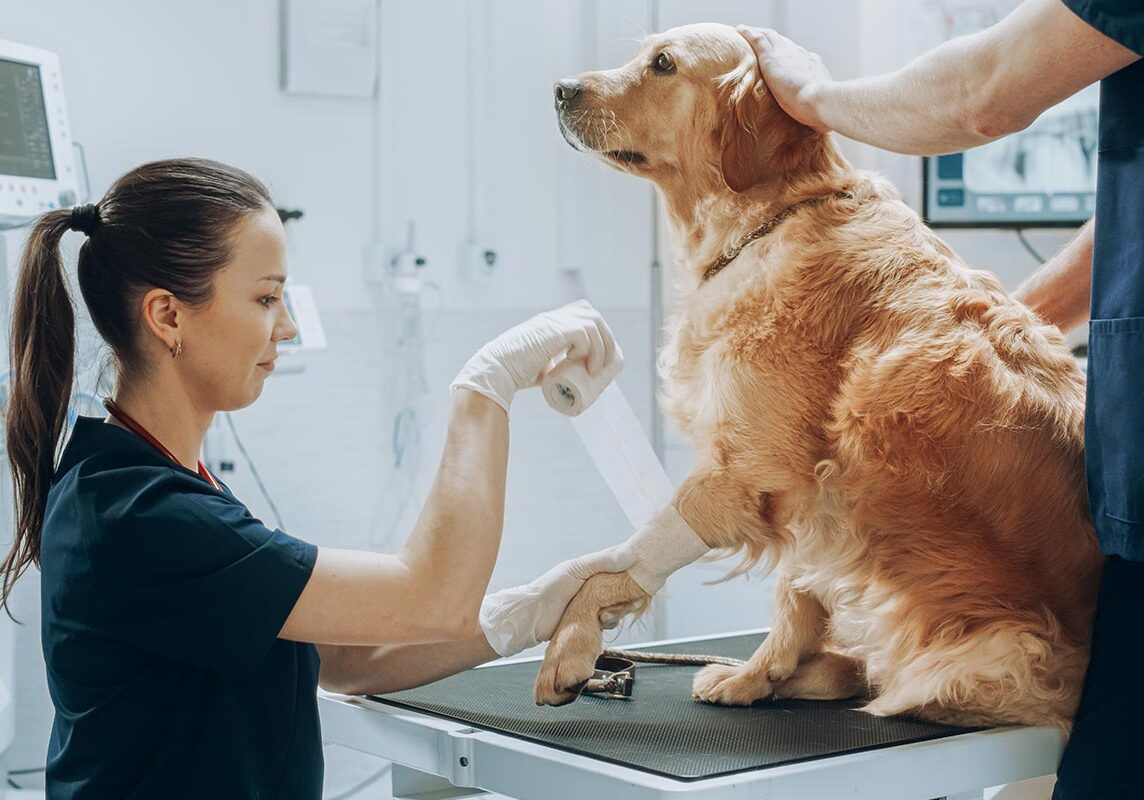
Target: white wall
column 148, row 79
column 156, row 79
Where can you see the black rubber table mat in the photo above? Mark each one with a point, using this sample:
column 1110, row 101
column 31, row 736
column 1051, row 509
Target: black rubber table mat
column 662, row 730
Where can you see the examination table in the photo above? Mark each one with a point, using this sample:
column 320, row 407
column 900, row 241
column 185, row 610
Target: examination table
column 479, row 734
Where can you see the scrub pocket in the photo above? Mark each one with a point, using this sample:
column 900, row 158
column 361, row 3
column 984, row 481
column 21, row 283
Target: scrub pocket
column 1116, row 415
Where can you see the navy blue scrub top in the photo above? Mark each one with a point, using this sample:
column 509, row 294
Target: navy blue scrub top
column 1114, row 417
column 162, row 599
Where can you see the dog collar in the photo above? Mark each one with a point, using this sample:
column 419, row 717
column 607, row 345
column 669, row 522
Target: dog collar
column 716, row 266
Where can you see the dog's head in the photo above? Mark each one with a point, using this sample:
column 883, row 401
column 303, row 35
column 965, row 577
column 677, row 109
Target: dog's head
column 691, row 106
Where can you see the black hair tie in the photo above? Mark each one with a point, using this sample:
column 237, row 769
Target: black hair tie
column 84, row 219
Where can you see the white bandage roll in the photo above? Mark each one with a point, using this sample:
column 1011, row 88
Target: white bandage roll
column 569, row 388
column 663, row 542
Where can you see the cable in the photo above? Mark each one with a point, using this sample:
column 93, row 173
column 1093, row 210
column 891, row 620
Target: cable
column 78, row 146
column 1028, row 247
column 369, row 781
column 27, row 771
column 254, row 472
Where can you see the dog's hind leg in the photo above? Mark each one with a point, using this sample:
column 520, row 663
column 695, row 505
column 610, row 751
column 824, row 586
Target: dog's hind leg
column 825, row 676
column 798, row 628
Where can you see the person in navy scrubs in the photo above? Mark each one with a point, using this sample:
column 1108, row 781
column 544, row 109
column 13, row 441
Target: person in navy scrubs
column 973, row 90
column 183, row 639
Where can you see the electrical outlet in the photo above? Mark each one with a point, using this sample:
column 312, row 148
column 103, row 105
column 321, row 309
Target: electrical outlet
column 393, row 268
column 479, row 262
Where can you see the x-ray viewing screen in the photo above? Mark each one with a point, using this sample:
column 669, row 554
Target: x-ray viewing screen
column 25, row 144
column 1044, row 175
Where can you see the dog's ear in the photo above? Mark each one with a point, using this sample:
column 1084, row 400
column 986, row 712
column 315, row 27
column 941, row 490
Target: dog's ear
column 741, row 153
column 757, row 139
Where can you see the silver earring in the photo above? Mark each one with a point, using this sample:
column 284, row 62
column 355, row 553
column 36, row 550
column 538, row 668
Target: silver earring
column 177, row 350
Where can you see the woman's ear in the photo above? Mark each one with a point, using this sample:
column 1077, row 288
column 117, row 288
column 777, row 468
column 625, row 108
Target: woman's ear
column 161, row 311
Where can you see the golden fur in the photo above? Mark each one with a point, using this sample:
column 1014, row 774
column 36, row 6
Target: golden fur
column 888, row 427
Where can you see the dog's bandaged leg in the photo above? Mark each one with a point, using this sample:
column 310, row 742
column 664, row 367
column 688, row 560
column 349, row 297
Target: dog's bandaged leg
column 661, row 547
column 663, row 542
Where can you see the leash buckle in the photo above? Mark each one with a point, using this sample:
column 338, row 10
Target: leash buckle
column 613, row 679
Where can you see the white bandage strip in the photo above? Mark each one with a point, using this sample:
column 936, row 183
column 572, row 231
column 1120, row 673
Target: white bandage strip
column 663, row 546
column 663, row 542
column 623, row 456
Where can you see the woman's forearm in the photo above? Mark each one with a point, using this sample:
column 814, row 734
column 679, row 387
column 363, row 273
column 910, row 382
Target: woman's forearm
column 454, row 543
column 391, row 668
column 1059, row 292
column 431, row 590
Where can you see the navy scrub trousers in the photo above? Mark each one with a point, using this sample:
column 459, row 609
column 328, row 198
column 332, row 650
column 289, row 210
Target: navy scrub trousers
column 1105, row 755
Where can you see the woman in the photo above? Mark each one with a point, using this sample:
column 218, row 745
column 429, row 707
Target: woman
column 182, row 638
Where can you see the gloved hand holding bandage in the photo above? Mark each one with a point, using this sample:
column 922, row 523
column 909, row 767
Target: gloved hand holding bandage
column 571, row 389
column 520, row 617
column 516, row 359
column 662, row 546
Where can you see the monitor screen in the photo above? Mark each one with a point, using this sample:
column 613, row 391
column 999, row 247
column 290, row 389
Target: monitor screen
column 25, row 144
column 1044, row 175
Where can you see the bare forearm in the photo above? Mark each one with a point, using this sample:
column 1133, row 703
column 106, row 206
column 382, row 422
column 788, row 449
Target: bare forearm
column 456, row 538
column 377, row 670
column 963, row 93
column 926, row 108
column 1059, row 292
column 430, row 591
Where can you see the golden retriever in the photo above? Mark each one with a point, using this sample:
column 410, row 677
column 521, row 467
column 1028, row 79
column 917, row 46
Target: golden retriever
column 889, row 428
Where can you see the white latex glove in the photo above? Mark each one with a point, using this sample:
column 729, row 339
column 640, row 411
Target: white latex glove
column 519, row 617
column 515, row 359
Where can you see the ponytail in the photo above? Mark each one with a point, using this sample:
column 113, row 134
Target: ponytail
column 42, row 362
column 165, row 224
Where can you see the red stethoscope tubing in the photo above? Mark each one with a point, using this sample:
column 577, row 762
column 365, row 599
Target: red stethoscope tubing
column 135, row 427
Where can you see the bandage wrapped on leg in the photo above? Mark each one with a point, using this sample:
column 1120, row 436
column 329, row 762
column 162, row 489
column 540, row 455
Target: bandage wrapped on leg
column 662, row 546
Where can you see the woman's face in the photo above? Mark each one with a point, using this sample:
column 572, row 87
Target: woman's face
column 230, row 344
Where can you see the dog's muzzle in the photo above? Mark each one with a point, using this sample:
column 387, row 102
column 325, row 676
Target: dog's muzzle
column 567, row 91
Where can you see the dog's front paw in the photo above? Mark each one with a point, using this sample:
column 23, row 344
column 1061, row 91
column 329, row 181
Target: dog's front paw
column 571, row 656
column 729, row 686
column 563, row 674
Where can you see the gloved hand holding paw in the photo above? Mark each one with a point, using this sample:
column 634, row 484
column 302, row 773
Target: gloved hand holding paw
column 520, row 617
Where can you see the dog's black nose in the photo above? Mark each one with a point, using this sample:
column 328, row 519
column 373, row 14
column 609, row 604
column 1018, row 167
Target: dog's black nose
column 567, row 90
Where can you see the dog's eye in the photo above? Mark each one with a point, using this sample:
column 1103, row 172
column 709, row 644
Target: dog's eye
column 663, row 64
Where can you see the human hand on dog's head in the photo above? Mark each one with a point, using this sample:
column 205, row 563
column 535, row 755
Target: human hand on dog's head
column 793, row 75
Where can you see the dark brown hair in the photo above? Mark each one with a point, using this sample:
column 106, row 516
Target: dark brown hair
column 166, row 224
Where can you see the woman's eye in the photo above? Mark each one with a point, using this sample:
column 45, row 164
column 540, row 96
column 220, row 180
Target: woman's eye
column 663, row 64
column 269, row 300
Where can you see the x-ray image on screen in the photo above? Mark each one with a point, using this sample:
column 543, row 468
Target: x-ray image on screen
column 1044, row 175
